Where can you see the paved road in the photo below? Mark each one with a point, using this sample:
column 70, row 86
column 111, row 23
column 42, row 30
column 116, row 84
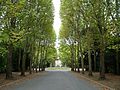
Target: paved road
column 55, row 80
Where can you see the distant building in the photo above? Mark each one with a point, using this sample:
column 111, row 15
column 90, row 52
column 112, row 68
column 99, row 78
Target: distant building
column 58, row 63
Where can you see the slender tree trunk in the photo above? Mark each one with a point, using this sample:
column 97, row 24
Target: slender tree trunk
column 102, row 61
column 31, row 49
column 78, row 56
column 94, row 60
column 31, row 57
column 82, row 61
column 90, row 63
column 23, row 61
column 43, row 69
column 72, row 59
column 39, row 67
column 37, row 64
column 46, row 55
column 36, row 68
column 19, row 59
column 117, row 59
column 30, row 66
column 41, row 57
column 75, row 48
column 9, row 62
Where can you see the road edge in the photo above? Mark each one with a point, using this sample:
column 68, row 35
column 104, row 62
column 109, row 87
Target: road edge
column 29, row 77
column 93, row 81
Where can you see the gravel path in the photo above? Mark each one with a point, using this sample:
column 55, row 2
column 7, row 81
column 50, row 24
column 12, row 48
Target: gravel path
column 55, row 80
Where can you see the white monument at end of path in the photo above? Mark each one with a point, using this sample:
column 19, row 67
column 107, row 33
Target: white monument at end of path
column 58, row 63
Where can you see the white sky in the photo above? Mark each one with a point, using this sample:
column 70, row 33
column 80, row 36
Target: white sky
column 57, row 21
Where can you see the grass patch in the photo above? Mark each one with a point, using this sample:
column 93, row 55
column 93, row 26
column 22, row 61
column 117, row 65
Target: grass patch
column 58, row 68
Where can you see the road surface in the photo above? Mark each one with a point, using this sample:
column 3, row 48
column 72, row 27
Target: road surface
column 55, row 80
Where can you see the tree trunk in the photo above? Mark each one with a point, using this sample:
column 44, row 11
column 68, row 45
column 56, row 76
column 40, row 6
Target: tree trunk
column 19, row 59
column 10, row 48
column 102, row 61
column 43, row 69
column 72, row 59
column 31, row 57
column 90, row 64
column 9, row 62
column 41, row 56
column 23, row 62
column 39, row 67
column 30, row 66
column 38, row 55
column 37, row 58
column 82, row 61
column 42, row 60
column 117, row 60
column 36, row 68
column 75, row 48
column 78, row 56
column 46, row 51
column 94, row 61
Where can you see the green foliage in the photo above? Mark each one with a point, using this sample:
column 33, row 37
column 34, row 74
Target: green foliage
column 27, row 25
column 89, row 24
column 65, row 54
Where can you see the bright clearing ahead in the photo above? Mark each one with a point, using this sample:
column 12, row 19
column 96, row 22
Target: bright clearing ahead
column 57, row 21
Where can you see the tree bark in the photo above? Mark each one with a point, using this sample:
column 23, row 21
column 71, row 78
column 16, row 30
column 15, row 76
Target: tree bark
column 41, row 57
column 78, row 56
column 117, row 60
column 9, row 62
column 43, row 68
column 30, row 66
column 82, row 61
column 23, row 61
column 31, row 57
column 102, row 61
column 72, row 59
column 90, row 64
column 94, row 61
column 19, row 59
column 75, row 55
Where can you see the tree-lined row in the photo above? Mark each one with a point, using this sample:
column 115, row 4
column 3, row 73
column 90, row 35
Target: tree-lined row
column 26, row 35
column 90, row 28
